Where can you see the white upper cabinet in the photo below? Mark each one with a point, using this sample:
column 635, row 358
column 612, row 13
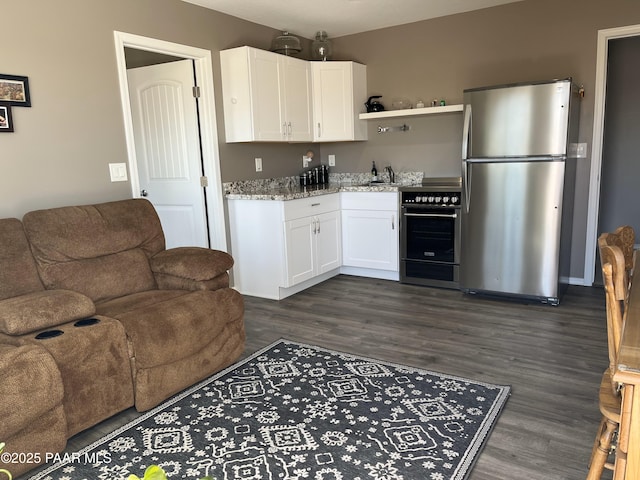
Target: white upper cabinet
column 339, row 94
column 269, row 97
column 266, row 96
column 297, row 104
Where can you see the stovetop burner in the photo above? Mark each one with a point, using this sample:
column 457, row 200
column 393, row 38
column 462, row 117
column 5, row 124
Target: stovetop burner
column 434, row 191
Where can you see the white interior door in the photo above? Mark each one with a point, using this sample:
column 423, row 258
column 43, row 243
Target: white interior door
column 167, row 143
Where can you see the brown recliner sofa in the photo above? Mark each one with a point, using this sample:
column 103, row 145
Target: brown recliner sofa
column 125, row 321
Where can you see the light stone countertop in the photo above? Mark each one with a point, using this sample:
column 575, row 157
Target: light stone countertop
column 288, row 188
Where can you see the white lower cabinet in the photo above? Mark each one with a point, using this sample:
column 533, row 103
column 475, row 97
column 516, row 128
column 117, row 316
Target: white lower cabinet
column 370, row 239
column 312, row 246
column 283, row 247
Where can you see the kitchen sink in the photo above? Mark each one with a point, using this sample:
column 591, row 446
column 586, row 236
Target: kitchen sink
column 378, row 183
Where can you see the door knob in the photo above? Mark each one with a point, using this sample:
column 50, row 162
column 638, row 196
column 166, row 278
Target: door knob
column 144, row 193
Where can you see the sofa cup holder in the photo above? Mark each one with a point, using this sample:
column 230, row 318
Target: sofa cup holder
column 48, row 334
column 85, row 322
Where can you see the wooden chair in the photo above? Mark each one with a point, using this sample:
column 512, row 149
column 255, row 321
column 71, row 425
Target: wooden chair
column 624, row 238
column 615, row 284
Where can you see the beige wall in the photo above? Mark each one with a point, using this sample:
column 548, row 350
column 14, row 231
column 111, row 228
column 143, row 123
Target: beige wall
column 529, row 40
column 62, row 146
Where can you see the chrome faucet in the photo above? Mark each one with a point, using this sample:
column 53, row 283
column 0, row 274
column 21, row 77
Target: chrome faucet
column 392, row 175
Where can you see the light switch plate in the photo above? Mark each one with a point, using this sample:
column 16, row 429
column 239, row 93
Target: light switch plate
column 258, row 164
column 581, row 150
column 332, row 160
column 577, row 150
column 118, row 172
column 305, row 161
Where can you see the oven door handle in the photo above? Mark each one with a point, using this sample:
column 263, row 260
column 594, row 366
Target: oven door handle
column 432, row 215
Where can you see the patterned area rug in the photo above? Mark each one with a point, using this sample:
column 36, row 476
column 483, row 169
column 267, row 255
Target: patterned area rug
column 296, row 412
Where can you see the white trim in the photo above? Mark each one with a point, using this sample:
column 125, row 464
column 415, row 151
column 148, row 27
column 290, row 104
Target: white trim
column 393, row 275
column 576, row 281
column 209, row 138
column 598, row 136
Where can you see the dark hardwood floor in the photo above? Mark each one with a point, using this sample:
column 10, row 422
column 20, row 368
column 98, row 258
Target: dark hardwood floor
column 553, row 357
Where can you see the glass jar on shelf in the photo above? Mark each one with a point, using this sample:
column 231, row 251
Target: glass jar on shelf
column 321, row 46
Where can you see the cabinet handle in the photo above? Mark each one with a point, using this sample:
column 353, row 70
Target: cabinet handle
column 318, row 220
column 315, row 227
column 290, row 129
column 315, row 204
column 284, row 130
column 319, row 130
column 393, row 222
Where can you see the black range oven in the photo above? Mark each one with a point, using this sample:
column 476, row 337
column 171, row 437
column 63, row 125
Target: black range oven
column 430, row 232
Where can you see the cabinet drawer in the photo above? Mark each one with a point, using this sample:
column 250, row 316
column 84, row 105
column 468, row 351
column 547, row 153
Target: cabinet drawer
column 305, row 207
column 370, row 201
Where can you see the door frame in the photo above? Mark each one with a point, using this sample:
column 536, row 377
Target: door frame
column 597, row 143
column 208, row 132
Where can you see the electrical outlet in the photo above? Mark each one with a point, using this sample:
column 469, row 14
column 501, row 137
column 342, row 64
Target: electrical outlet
column 305, row 161
column 258, row 164
column 332, row 160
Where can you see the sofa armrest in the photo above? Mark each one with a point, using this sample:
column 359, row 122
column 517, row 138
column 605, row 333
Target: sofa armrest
column 191, row 268
column 31, row 386
column 38, row 310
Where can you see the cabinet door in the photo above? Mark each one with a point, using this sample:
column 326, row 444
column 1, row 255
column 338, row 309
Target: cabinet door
column 267, row 99
column 339, row 93
column 332, row 100
column 370, row 239
column 328, row 241
column 300, row 250
column 297, row 96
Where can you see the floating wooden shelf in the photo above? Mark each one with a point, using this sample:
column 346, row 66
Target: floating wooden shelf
column 409, row 112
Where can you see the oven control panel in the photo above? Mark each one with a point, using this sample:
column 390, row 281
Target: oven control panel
column 439, row 199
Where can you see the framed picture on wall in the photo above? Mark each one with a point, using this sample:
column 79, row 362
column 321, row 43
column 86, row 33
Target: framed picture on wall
column 6, row 122
column 14, row 90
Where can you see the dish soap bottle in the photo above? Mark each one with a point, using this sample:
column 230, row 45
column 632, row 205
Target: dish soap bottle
column 374, row 172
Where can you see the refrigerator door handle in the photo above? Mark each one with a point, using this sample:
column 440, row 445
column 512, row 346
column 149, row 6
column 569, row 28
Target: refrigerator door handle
column 466, row 130
column 466, row 184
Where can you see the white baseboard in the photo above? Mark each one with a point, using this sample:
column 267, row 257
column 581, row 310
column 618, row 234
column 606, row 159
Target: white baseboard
column 371, row 273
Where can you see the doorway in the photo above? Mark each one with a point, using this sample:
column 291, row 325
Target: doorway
column 202, row 65
column 598, row 147
column 619, row 193
column 167, row 137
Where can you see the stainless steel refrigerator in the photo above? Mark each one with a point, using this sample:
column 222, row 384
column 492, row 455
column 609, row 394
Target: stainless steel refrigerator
column 518, row 187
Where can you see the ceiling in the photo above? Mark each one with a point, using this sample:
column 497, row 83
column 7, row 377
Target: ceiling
column 341, row 17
